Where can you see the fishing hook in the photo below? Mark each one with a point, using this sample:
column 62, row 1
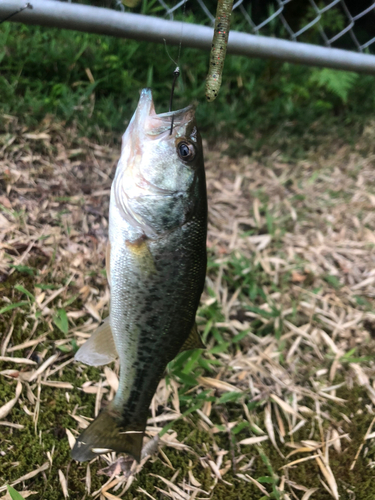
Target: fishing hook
column 176, row 74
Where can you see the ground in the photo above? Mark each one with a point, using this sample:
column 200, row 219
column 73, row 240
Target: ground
column 280, row 404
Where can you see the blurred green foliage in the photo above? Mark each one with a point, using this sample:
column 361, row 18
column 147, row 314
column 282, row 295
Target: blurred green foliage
column 95, row 80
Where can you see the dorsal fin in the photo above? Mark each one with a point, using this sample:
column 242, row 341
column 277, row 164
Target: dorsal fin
column 100, row 348
column 193, row 341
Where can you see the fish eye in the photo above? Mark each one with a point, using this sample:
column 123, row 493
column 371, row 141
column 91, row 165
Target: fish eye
column 186, row 151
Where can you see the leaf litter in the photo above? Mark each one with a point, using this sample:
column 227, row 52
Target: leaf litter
column 286, row 316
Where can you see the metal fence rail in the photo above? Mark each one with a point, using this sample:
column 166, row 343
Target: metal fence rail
column 259, row 29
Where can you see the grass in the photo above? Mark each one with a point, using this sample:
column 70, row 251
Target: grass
column 93, row 82
column 288, row 311
column 287, row 318
column 55, row 417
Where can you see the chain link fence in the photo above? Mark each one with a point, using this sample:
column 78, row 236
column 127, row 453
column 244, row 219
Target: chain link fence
column 334, row 21
column 338, row 33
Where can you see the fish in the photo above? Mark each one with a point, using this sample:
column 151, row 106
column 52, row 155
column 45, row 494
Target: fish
column 156, row 264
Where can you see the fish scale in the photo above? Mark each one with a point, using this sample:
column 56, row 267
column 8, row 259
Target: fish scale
column 156, row 270
column 154, row 307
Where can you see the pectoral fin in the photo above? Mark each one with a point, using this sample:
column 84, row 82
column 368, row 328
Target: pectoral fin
column 193, row 341
column 100, row 348
column 142, row 255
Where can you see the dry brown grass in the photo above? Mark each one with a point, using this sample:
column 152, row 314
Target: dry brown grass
column 306, row 227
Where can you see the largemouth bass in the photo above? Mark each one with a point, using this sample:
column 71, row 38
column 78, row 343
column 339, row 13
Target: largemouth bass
column 156, row 265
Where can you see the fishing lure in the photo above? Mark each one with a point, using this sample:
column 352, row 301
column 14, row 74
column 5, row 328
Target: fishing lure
column 219, row 48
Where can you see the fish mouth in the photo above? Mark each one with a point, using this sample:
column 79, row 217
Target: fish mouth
column 156, row 124
column 131, row 182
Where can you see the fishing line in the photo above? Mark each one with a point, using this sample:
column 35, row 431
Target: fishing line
column 176, row 72
column 168, row 54
column 27, row 6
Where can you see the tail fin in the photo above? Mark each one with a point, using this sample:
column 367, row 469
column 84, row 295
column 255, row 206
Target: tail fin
column 105, row 433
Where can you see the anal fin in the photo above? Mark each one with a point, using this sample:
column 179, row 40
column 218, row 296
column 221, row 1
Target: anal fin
column 193, row 341
column 100, row 348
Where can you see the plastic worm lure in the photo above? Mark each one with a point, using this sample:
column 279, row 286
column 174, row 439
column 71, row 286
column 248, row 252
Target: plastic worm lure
column 219, row 48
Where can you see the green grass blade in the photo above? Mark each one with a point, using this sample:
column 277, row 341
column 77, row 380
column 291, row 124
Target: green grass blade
column 194, row 408
column 61, row 321
column 21, row 289
column 9, row 307
column 14, row 494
